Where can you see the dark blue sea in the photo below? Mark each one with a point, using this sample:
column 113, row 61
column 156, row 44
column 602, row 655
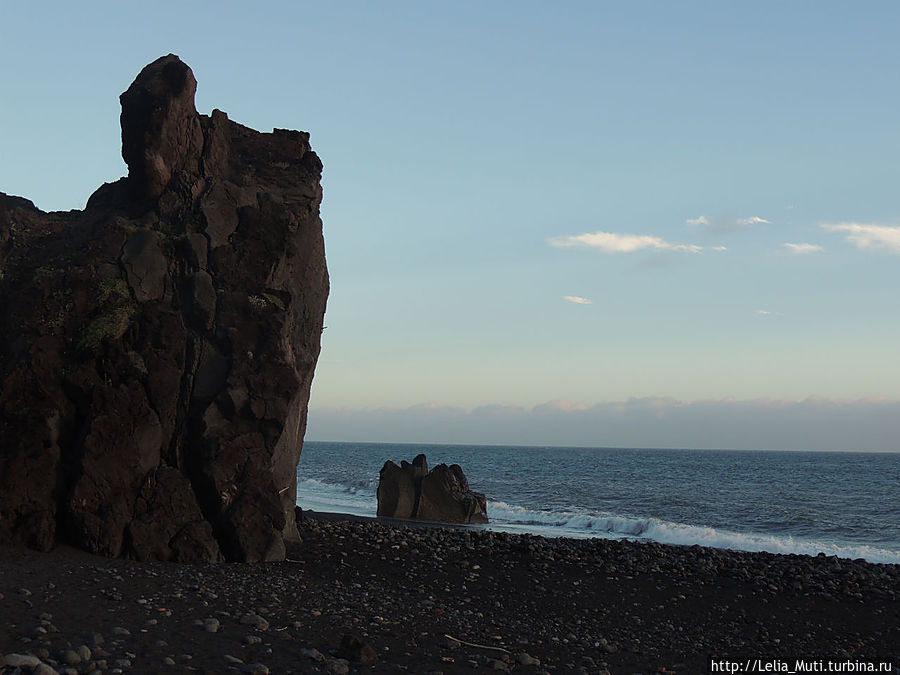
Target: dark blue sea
column 844, row 504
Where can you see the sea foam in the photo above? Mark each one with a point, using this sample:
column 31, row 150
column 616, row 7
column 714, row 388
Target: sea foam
column 580, row 525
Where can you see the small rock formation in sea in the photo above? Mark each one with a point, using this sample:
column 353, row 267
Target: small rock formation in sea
column 157, row 348
column 442, row 494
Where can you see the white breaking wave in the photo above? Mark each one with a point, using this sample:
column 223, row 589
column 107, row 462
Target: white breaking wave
column 574, row 524
column 320, row 495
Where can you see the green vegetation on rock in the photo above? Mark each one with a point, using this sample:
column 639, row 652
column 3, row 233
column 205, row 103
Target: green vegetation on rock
column 111, row 325
column 275, row 300
column 117, row 288
column 112, row 321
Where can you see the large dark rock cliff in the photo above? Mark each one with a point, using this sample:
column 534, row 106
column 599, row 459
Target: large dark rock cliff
column 157, row 348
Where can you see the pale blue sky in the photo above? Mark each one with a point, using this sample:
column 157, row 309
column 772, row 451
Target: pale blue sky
column 468, row 146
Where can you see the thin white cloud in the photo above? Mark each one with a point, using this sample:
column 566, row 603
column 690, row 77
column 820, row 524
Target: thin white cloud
column 753, row 220
column 719, row 248
column 578, row 300
column 868, row 235
column 723, row 225
column 802, row 249
column 612, row 242
column 764, row 312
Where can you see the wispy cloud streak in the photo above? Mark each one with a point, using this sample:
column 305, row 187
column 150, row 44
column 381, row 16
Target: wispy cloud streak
column 578, row 300
column 802, row 249
column 613, row 242
column 753, row 220
column 725, row 225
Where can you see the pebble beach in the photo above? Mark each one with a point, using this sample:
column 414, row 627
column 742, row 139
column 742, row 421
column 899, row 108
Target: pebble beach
column 366, row 595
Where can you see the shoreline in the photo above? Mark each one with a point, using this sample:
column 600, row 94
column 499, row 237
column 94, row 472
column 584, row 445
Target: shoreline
column 336, row 516
column 494, row 526
column 538, row 604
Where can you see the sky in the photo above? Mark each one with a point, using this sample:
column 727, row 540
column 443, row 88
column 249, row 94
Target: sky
column 543, row 220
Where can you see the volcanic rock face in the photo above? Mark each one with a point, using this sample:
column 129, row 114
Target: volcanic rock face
column 442, row 494
column 157, row 348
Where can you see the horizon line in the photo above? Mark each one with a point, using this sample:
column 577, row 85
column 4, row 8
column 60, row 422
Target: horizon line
column 436, row 444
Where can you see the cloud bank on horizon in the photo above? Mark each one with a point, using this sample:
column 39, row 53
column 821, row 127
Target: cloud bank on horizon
column 865, row 425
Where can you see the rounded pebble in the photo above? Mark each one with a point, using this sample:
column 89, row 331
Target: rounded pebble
column 70, row 657
column 21, row 660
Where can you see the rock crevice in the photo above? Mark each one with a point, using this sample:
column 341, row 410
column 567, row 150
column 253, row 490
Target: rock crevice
column 158, row 348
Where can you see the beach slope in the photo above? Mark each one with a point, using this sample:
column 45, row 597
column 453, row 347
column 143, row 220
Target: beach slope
column 391, row 594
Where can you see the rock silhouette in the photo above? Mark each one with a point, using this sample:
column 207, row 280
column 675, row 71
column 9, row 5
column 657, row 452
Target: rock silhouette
column 157, row 348
column 442, row 494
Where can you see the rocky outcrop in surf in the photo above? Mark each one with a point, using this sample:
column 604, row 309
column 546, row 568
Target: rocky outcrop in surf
column 157, row 348
column 442, row 494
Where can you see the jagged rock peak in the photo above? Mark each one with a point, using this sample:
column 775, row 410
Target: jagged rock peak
column 160, row 126
column 157, row 349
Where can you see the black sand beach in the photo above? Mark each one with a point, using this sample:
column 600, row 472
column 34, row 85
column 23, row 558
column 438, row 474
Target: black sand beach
column 530, row 604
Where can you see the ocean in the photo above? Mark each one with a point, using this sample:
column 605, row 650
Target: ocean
column 838, row 503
